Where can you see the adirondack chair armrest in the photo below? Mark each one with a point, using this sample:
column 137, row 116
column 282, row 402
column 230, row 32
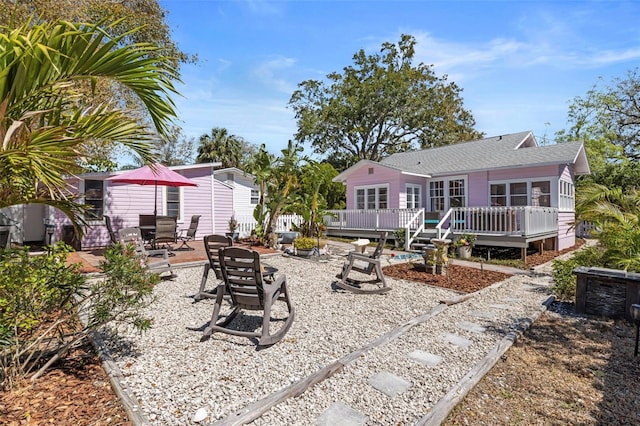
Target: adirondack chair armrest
column 360, row 256
column 154, row 252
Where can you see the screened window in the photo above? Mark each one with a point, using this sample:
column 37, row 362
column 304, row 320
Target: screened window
column 518, row 193
column 414, row 196
column 255, row 196
column 541, row 193
column 498, row 194
column 521, row 193
column 94, row 198
column 173, row 202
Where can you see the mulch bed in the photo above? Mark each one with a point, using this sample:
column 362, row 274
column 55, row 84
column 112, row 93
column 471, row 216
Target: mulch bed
column 458, row 278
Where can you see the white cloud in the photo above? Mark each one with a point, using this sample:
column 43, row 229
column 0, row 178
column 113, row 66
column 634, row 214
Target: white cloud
column 272, row 72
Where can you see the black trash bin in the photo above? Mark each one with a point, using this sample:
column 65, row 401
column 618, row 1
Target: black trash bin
column 69, row 237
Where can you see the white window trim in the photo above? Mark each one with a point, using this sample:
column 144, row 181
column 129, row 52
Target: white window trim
column 446, row 180
column 181, row 197
column 251, row 203
column 571, row 196
column 553, row 188
column 415, row 187
column 365, row 187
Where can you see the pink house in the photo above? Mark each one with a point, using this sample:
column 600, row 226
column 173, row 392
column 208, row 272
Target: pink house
column 506, row 189
column 220, row 194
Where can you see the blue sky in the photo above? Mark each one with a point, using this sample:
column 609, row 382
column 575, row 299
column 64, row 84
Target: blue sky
column 519, row 63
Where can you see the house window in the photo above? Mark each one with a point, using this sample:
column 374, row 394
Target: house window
column 436, row 196
column 518, row 193
column 541, row 193
column 498, row 194
column 371, row 198
column 521, row 193
column 255, row 196
column 413, row 196
column 567, row 196
column 456, row 193
column 94, row 199
column 173, row 202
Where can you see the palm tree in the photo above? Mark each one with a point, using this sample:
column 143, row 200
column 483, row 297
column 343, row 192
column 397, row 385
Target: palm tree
column 616, row 214
column 46, row 117
column 220, row 146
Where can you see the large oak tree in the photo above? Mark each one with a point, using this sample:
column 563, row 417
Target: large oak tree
column 380, row 105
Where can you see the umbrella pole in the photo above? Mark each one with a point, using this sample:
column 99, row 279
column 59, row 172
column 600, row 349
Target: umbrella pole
column 155, row 203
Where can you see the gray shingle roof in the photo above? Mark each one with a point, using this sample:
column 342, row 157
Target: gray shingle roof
column 506, row 151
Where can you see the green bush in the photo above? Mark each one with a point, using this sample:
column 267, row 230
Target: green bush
column 304, row 243
column 42, row 300
column 564, row 286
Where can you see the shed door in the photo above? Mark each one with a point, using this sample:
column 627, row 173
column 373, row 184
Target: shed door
column 33, row 222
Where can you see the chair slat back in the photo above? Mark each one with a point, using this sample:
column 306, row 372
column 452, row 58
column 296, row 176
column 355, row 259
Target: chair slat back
column 213, row 243
column 132, row 236
column 381, row 242
column 242, row 274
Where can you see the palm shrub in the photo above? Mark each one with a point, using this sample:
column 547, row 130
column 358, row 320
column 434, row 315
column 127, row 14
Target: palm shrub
column 614, row 212
column 48, row 307
column 48, row 117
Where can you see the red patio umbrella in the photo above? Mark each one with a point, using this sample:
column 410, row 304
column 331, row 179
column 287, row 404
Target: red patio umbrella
column 160, row 176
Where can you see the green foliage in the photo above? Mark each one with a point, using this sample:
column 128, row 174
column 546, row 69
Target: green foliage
column 465, row 240
column 125, row 291
column 564, row 286
column 220, row 146
column 48, row 118
column 42, row 300
column 277, row 180
column 380, row 105
column 304, row 243
column 33, row 288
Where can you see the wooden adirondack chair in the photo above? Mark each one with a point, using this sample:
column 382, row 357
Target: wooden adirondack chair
column 212, row 243
column 365, row 263
column 156, row 265
column 251, row 287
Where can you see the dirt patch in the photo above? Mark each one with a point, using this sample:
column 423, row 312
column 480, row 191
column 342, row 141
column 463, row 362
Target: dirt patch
column 565, row 370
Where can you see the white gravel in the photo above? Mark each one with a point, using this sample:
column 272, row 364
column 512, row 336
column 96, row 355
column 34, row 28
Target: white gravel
column 176, row 379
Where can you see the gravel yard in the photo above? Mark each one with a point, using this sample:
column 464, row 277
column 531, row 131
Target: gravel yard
column 175, row 378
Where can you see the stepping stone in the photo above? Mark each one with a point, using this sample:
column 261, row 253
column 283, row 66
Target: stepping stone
column 471, row 326
column 456, row 340
column 340, row 414
column 388, row 383
column 501, row 306
column 425, row 358
column 483, row 314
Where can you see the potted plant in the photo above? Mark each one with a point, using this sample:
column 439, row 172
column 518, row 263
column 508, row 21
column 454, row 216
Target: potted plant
column 233, row 228
column 463, row 245
column 304, row 246
column 399, row 237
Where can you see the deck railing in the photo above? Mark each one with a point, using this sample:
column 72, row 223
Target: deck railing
column 374, row 220
column 516, row 221
column 521, row 221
